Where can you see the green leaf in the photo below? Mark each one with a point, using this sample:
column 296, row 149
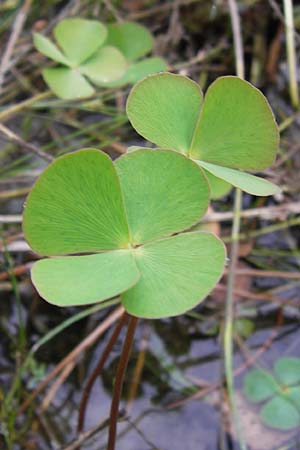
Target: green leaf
column 176, row 274
column 259, row 385
column 245, row 181
column 67, row 83
column 47, row 48
column 236, row 127
column 280, row 413
column 243, row 327
column 106, row 65
column 164, row 193
column 218, row 187
column 163, row 108
column 79, row 38
column 132, row 39
column 139, row 70
column 287, row 370
column 76, row 206
column 80, row 280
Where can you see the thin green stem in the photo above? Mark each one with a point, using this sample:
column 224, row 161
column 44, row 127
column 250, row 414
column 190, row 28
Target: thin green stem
column 229, row 313
column 237, row 38
column 229, row 306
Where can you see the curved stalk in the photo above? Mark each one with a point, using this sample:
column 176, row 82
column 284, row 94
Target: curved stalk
column 97, row 371
column 123, row 362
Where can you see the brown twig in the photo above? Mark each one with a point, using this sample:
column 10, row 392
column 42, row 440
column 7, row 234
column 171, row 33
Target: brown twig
column 96, row 372
column 261, row 296
column 162, row 8
column 15, row 271
column 11, row 136
column 123, row 362
column 266, row 213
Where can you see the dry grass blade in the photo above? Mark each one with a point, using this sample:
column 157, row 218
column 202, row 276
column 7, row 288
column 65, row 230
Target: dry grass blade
column 86, row 343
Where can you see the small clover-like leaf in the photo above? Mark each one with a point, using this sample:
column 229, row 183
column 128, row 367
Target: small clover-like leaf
column 47, row 48
column 176, row 274
column 164, row 193
column 280, row 413
column 132, row 39
column 80, row 280
column 79, row 38
column 104, row 66
column 106, row 60
column 259, row 385
column 163, row 108
column 245, row 181
column 236, row 127
column 76, row 206
column 287, row 370
column 67, row 83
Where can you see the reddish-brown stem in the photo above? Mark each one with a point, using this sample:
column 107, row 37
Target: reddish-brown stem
column 97, row 371
column 123, row 362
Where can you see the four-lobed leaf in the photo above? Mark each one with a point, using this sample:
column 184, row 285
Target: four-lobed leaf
column 232, row 129
column 123, row 215
column 90, row 52
column 281, row 393
column 82, row 54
